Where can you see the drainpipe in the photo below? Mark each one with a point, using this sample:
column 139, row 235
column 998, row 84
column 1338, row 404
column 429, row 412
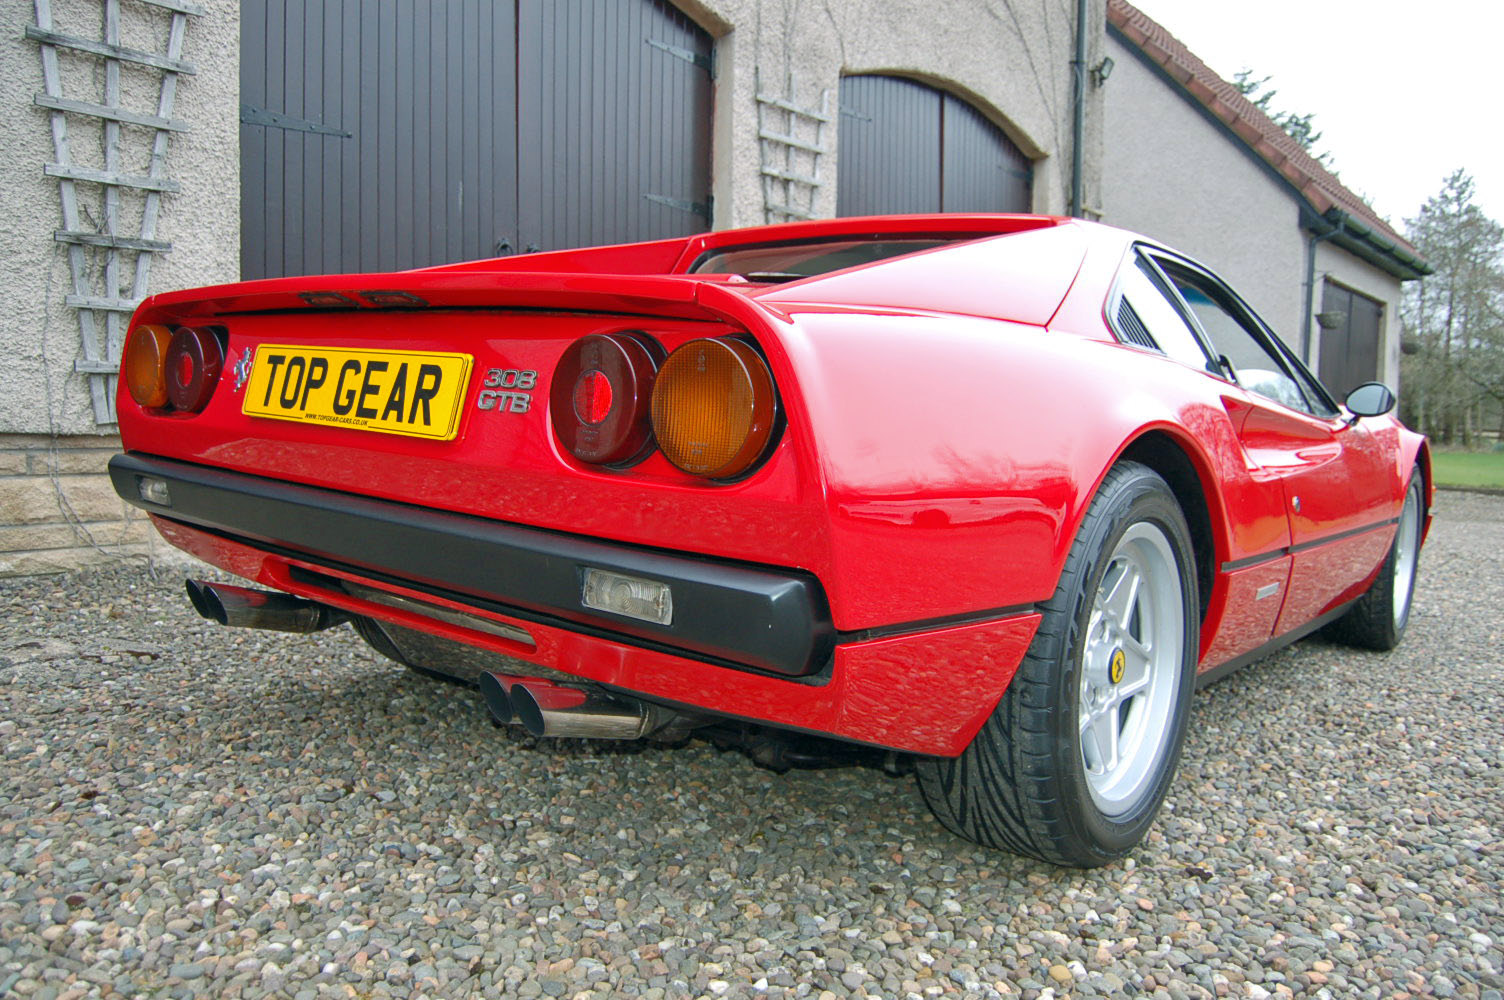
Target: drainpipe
column 1078, row 123
column 1305, row 324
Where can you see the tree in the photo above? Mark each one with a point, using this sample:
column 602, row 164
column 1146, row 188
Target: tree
column 1300, row 127
column 1453, row 371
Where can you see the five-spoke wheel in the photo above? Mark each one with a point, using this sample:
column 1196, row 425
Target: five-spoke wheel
column 1075, row 760
column 1130, row 677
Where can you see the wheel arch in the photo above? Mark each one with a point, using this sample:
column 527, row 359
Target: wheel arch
column 1421, row 456
column 1182, row 467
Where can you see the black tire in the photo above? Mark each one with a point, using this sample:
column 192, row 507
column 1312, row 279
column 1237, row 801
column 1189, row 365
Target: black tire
column 1023, row 783
column 1377, row 620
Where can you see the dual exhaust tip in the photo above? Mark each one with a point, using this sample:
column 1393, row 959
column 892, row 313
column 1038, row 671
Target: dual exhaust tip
column 542, row 707
column 263, row 609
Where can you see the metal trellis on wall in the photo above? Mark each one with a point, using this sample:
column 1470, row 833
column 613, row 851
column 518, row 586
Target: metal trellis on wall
column 104, row 287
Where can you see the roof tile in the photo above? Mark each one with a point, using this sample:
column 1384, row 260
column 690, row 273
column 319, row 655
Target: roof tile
column 1267, row 140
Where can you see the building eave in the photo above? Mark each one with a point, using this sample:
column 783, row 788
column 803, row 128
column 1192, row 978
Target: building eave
column 1318, row 194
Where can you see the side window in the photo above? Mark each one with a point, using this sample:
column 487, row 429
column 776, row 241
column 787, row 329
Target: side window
column 1233, row 336
column 1146, row 317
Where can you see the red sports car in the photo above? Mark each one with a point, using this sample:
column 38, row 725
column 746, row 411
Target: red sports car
column 992, row 493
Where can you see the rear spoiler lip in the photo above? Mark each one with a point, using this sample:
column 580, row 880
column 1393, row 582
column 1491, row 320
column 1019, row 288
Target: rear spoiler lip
column 589, row 286
column 673, row 296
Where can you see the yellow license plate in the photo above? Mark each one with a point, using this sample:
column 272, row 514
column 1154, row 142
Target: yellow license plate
column 416, row 393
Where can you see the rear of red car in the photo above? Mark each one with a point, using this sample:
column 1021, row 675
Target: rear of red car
column 608, row 476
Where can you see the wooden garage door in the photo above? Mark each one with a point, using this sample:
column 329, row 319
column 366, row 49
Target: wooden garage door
column 907, row 147
column 385, row 134
column 1350, row 346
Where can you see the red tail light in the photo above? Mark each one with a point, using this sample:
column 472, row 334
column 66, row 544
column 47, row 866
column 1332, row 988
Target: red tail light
column 193, row 362
column 592, row 397
column 172, row 368
column 601, row 396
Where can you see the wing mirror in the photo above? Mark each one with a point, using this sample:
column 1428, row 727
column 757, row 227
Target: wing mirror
column 1370, row 399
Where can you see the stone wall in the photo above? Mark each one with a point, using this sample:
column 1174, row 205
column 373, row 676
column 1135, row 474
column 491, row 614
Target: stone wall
column 58, row 511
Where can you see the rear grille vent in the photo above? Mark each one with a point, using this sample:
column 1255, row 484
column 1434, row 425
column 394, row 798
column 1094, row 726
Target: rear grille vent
column 1132, row 329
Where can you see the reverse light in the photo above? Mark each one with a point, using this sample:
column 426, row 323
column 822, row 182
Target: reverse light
column 145, row 365
column 714, row 408
column 154, row 490
column 632, row 596
column 193, row 362
column 600, row 396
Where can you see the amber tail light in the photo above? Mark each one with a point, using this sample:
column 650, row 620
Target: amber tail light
column 177, row 369
column 600, row 396
column 146, row 365
column 714, row 408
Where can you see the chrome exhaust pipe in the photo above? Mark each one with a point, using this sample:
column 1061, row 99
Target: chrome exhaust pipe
column 493, row 687
column 264, row 609
column 544, row 708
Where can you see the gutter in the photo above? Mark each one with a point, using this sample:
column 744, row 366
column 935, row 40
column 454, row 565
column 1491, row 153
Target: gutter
column 1305, row 322
column 1384, row 253
column 1078, row 111
column 1360, row 240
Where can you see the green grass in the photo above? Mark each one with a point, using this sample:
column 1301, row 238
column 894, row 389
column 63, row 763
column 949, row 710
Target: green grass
column 1469, row 468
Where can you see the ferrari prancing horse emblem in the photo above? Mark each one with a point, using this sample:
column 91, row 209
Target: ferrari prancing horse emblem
column 1116, row 667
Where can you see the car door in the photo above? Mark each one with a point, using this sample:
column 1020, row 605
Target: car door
column 1337, row 483
column 1248, row 589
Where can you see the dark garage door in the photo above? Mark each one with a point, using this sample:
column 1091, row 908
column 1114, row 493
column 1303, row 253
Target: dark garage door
column 1349, row 347
column 385, row 134
column 907, row 147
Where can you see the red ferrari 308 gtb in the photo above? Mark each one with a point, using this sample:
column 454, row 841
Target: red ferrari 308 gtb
column 996, row 493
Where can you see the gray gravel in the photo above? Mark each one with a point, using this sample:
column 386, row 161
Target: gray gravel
column 187, row 810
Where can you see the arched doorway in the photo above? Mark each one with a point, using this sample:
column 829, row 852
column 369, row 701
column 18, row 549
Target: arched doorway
column 908, row 147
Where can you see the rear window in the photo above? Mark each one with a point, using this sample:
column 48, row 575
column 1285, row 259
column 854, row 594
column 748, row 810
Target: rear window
column 792, row 261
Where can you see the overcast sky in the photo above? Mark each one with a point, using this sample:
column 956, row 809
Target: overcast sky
column 1404, row 92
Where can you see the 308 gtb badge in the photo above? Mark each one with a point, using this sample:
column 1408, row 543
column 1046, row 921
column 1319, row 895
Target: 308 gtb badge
column 508, row 390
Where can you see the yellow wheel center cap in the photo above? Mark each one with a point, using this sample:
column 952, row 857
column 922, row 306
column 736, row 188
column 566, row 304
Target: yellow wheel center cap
column 1116, row 666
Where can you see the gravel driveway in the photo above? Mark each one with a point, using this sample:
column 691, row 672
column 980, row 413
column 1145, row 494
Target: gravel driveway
column 187, row 810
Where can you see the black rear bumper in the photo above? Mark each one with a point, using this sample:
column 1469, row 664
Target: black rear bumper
column 766, row 619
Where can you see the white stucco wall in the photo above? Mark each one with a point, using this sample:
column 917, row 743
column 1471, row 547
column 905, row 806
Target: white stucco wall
column 1013, row 63
column 1361, row 276
column 1169, row 173
column 39, row 336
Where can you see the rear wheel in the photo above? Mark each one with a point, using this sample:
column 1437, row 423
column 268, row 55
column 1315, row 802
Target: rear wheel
column 1378, row 619
column 1074, row 762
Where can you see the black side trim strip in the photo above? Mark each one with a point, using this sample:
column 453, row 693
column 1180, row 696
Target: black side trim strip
column 1350, row 532
column 926, row 624
column 1290, row 550
column 1294, row 635
column 1237, row 564
column 773, row 620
